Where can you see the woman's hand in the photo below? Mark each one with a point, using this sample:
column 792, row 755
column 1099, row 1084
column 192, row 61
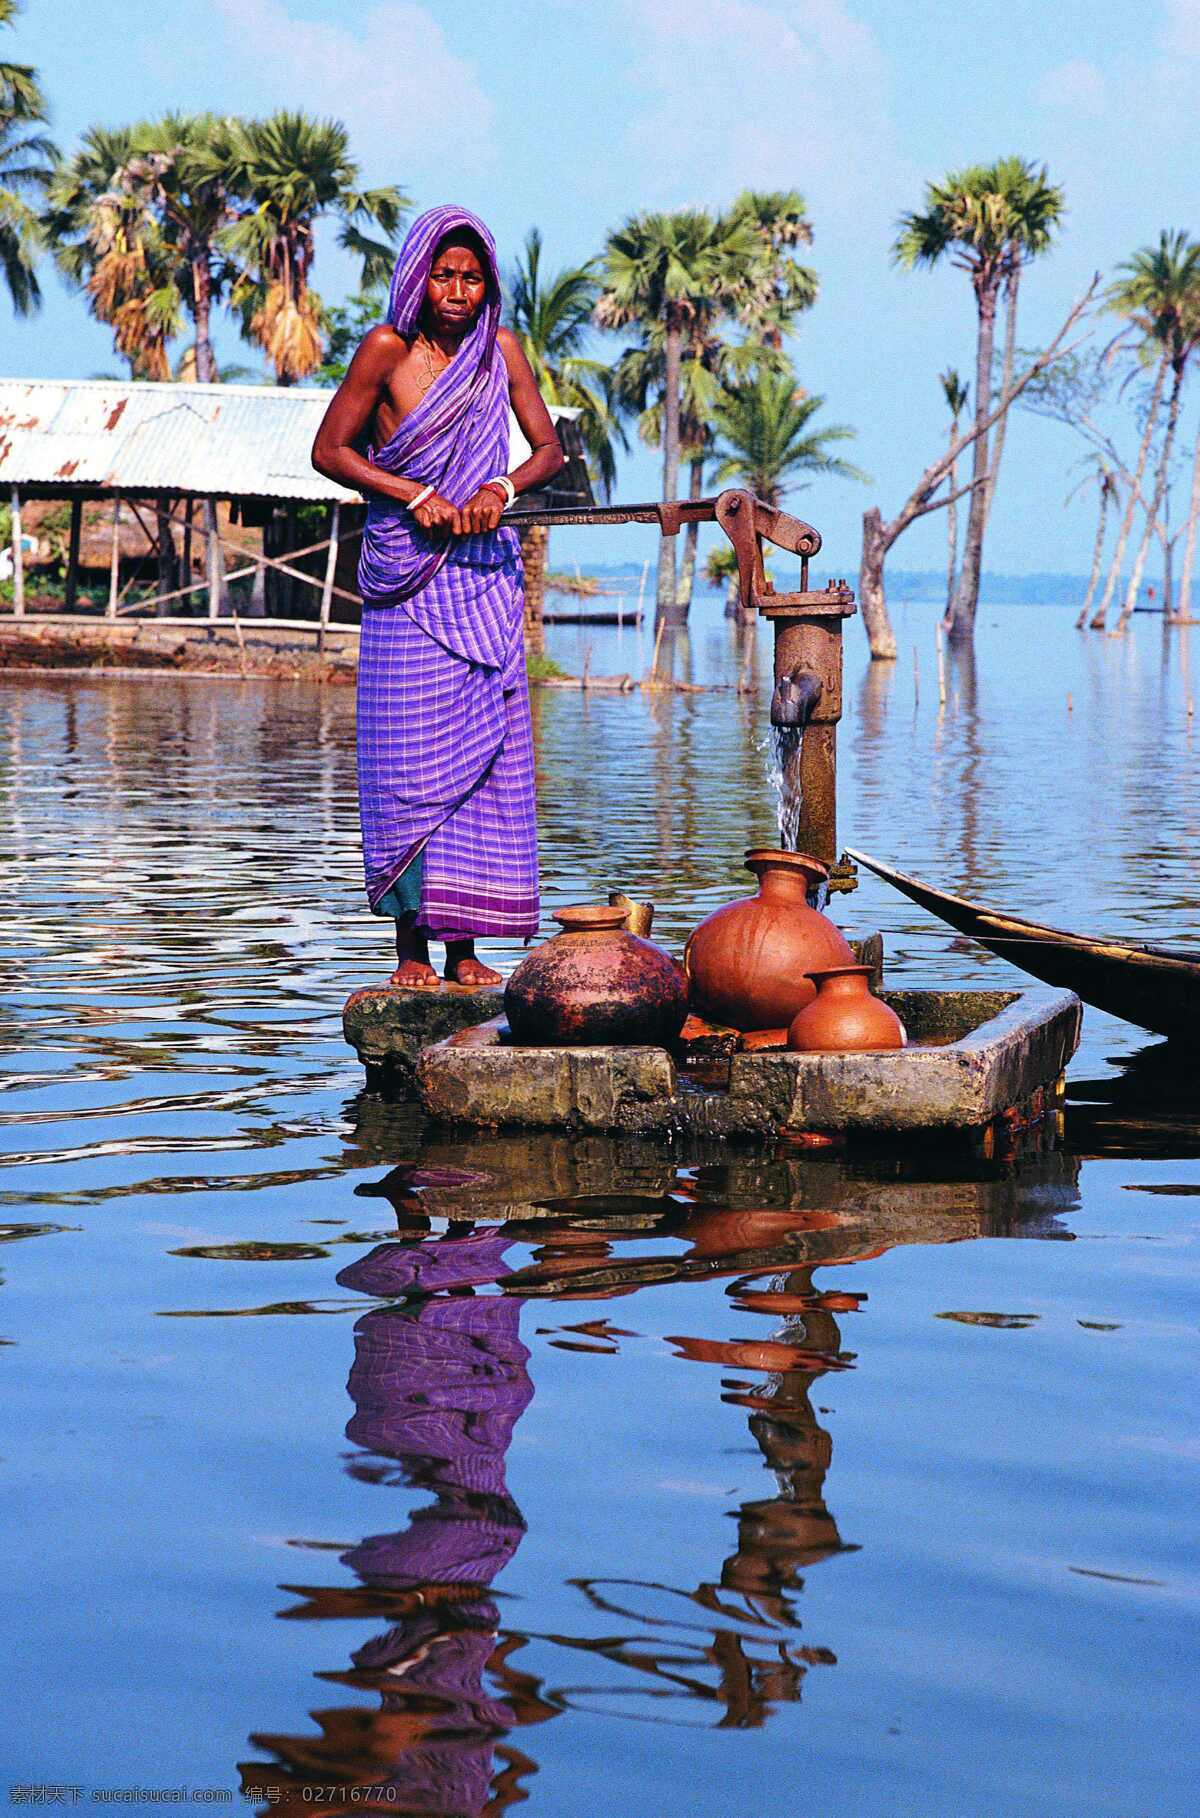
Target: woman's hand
column 438, row 516
column 480, row 513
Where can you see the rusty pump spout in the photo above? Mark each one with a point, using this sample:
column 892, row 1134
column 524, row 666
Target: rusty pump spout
column 795, row 699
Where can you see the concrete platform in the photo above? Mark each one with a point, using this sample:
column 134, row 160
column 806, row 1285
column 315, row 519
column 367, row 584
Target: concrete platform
column 975, row 1057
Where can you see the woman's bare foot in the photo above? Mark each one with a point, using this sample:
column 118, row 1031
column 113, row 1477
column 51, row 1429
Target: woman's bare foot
column 415, row 975
column 413, row 972
column 462, row 967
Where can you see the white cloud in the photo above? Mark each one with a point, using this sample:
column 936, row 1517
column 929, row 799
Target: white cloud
column 1181, row 32
column 766, row 94
column 410, row 102
column 1076, row 85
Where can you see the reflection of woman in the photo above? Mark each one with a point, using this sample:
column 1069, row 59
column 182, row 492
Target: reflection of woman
column 438, row 1384
column 440, row 1389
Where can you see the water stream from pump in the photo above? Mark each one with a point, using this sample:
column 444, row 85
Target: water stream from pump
column 783, row 773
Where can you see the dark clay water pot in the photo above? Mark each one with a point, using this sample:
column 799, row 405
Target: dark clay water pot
column 596, row 983
column 844, row 1017
column 748, row 963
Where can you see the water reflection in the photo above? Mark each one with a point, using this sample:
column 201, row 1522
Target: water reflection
column 441, row 1377
column 439, row 1381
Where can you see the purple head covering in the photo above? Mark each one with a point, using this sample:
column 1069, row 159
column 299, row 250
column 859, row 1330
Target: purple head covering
column 455, row 439
column 410, row 277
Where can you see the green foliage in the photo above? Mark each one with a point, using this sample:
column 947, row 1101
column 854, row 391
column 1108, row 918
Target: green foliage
column 669, row 267
column 768, row 437
column 26, row 161
column 284, row 173
column 134, row 217
column 986, row 218
column 1159, row 295
column 345, row 325
column 955, row 392
column 541, row 668
column 551, row 317
column 741, row 272
column 177, row 215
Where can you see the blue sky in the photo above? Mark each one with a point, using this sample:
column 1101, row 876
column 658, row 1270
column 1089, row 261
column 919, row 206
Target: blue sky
column 572, row 115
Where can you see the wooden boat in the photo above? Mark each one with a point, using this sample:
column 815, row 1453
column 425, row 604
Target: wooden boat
column 1154, row 987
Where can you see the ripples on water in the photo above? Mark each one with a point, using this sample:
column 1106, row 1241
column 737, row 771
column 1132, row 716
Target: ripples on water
column 339, row 1453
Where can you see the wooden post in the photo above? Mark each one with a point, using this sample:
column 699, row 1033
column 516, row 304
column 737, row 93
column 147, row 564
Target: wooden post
column 292, row 535
column 71, row 587
column 18, row 558
column 215, row 565
column 330, row 571
column 164, row 546
column 187, row 544
column 114, row 560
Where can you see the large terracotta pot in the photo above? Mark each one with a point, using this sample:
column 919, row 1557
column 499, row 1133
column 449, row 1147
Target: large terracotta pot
column 844, row 1017
column 595, row 983
column 748, row 963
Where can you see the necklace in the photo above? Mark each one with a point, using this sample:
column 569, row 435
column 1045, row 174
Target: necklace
column 431, row 371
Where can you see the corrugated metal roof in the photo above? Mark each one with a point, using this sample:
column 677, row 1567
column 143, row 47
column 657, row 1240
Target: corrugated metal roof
column 228, row 441
column 225, row 440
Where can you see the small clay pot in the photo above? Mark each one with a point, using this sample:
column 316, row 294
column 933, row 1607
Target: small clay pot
column 844, row 1017
column 596, row 984
column 748, row 964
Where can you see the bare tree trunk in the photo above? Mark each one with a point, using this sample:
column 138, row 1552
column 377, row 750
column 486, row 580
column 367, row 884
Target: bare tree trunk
column 535, row 542
column 1190, row 539
column 667, row 608
column 1156, row 504
column 1010, row 349
column 952, row 522
column 1168, row 555
column 206, row 370
column 960, row 617
column 927, row 495
column 1110, row 586
column 871, row 596
column 691, row 537
column 1097, row 554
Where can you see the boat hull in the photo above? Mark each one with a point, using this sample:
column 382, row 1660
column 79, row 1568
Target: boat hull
column 1156, row 988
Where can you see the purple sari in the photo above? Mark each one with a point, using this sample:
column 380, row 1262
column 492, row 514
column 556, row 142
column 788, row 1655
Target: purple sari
column 445, row 747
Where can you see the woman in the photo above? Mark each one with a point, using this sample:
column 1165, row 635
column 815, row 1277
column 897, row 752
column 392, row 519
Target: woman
column 445, row 746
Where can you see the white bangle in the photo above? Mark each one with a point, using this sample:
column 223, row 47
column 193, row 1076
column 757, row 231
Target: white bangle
column 510, row 491
column 426, row 492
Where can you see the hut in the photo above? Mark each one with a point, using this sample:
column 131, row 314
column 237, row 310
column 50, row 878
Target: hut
column 203, row 497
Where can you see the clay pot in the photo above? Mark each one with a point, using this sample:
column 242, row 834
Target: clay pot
column 595, row 983
column 748, row 963
column 844, row 1017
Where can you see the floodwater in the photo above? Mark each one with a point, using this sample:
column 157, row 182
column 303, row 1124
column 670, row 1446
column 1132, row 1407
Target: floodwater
column 363, row 1467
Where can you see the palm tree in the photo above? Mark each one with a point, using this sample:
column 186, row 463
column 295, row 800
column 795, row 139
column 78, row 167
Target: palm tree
column 775, row 289
column 1160, row 297
column 107, row 240
column 551, row 318
column 639, row 380
column 26, row 161
column 1100, row 474
column 768, row 437
column 173, row 173
column 956, row 395
column 665, row 268
column 284, row 174
column 988, row 220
